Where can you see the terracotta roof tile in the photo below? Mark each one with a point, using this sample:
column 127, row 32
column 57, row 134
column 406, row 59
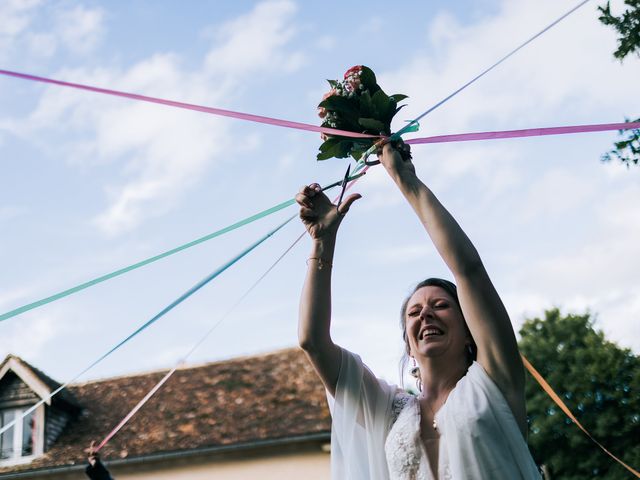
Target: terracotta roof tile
column 271, row 396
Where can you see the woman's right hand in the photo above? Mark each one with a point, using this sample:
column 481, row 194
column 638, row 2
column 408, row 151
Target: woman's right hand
column 319, row 215
column 396, row 158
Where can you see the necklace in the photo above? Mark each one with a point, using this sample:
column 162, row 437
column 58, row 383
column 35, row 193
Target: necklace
column 434, row 424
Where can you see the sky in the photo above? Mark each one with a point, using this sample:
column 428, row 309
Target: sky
column 92, row 183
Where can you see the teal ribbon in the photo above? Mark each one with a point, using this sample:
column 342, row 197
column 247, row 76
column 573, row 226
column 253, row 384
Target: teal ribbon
column 122, row 271
column 152, row 320
column 412, row 126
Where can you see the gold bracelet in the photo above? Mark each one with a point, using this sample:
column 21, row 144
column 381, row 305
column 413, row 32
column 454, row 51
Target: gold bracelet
column 321, row 263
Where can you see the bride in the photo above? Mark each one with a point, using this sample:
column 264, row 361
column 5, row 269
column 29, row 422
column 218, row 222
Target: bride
column 468, row 420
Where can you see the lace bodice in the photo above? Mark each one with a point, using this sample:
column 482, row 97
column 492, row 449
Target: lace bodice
column 403, row 448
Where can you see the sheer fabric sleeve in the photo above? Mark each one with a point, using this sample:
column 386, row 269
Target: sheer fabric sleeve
column 361, row 414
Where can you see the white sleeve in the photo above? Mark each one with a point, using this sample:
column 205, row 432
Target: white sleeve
column 360, row 413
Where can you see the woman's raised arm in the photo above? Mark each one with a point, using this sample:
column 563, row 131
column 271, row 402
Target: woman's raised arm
column 322, row 219
column 483, row 310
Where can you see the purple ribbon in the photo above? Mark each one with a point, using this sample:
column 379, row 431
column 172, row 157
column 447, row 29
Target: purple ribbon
column 460, row 137
column 527, row 132
column 190, row 106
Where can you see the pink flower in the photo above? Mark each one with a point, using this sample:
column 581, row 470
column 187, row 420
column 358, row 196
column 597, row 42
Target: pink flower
column 352, row 78
column 322, row 112
column 330, row 93
column 352, row 84
column 353, row 71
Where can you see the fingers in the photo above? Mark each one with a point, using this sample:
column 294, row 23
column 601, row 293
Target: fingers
column 397, row 149
column 346, row 204
column 307, row 192
column 308, row 214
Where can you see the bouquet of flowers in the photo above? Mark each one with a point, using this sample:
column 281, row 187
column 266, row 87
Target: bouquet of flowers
column 357, row 104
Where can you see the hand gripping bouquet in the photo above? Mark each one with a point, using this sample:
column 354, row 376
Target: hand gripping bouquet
column 358, row 104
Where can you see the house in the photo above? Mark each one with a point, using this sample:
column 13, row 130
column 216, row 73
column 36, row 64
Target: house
column 262, row 417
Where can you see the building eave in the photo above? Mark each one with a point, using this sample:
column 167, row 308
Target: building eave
column 182, row 454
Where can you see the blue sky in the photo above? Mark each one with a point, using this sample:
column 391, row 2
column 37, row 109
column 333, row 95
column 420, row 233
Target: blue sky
column 91, row 183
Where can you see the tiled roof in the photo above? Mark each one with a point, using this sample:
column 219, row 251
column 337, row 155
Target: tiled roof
column 277, row 395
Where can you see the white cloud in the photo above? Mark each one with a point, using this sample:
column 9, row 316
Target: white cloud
column 376, row 336
column 15, row 16
column 254, row 42
column 163, row 151
column 10, row 297
column 80, row 28
column 43, row 29
column 42, row 329
column 326, row 42
column 42, row 44
column 399, row 254
column 557, row 192
column 551, row 73
column 598, row 273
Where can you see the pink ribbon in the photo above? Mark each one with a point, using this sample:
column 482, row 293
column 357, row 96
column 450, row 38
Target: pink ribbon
column 460, row 137
column 527, row 132
column 190, row 106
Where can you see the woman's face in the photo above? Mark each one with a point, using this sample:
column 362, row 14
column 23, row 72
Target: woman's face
column 435, row 325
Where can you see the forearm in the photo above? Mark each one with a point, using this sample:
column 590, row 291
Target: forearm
column 315, row 302
column 452, row 243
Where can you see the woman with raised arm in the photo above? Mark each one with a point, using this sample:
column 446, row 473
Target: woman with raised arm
column 468, row 420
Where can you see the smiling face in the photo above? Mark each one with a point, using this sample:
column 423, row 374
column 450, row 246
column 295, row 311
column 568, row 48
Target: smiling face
column 435, row 325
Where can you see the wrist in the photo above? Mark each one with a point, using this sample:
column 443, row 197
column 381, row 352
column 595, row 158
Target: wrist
column 406, row 180
column 323, row 248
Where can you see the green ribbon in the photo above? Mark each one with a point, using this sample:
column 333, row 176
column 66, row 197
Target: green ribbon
column 122, row 271
column 411, row 126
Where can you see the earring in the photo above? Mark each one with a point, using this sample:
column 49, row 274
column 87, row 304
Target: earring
column 470, row 352
column 415, row 373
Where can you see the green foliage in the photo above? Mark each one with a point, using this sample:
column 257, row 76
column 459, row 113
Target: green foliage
column 627, row 25
column 626, row 150
column 599, row 382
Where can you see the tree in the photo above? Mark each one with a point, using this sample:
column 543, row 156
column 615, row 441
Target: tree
column 599, row 382
column 627, row 25
column 627, row 150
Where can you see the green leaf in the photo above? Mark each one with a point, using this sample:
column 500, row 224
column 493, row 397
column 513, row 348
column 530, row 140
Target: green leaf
column 398, row 97
column 372, row 124
column 329, row 143
column 366, row 105
column 398, row 109
column 357, row 153
column 380, row 103
column 340, row 104
column 368, row 78
column 340, row 149
column 333, row 83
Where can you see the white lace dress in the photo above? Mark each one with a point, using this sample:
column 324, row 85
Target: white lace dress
column 376, row 431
